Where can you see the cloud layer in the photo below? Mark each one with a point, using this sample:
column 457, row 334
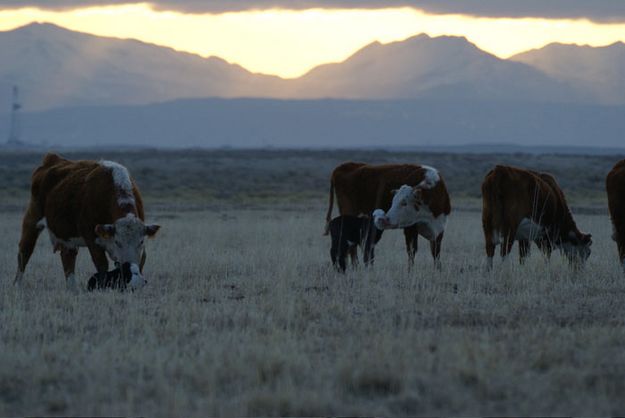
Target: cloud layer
column 601, row 11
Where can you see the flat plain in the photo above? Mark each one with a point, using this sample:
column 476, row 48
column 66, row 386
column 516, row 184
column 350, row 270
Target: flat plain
column 243, row 314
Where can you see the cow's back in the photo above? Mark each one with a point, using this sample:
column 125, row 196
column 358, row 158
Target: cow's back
column 56, row 174
column 361, row 188
column 74, row 196
column 512, row 194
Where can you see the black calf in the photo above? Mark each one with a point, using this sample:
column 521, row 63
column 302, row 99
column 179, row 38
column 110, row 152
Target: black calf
column 348, row 232
column 117, row 278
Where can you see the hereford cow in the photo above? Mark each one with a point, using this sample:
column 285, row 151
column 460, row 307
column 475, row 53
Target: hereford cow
column 86, row 204
column 525, row 205
column 615, row 185
column 360, row 189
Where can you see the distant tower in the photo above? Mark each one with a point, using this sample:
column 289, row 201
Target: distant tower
column 14, row 130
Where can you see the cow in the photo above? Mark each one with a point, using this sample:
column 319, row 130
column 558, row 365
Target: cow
column 347, row 233
column 93, row 204
column 615, row 186
column 525, row 205
column 361, row 188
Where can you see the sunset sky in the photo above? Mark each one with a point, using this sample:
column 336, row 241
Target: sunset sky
column 288, row 38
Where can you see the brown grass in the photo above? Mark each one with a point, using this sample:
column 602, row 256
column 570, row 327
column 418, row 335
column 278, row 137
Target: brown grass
column 243, row 316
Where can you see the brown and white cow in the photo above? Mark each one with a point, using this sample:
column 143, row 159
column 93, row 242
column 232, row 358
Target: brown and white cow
column 525, row 206
column 615, row 185
column 93, row 204
column 420, row 204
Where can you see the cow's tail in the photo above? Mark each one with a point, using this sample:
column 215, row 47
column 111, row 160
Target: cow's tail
column 492, row 210
column 330, row 206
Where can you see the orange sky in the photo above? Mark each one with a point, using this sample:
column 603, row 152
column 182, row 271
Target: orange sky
column 289, row 43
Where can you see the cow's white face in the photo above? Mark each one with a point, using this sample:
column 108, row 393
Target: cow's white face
column 123, row 241
column 577, row 249
column 404, row 211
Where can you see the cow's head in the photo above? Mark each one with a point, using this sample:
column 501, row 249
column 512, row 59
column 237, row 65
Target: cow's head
column 404, row 211
column 576, row 246
column 123, row 241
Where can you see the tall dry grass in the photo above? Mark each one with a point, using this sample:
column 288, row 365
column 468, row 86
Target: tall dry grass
column 244, row 316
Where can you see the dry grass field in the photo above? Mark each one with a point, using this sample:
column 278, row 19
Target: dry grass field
column 243, row 314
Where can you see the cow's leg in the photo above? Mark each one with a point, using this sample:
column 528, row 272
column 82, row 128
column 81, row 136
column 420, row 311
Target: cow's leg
column 368, row 251
column 30, row 232
column 98, row 256
column 621, row 251
column 435, row 247
column 411, row 236
column 490, row 249
column 68, row 258
column 343, row 251
column 545, row 247
column 353, row 255
column 524, row 250
column 506, row 245
column 334, row 251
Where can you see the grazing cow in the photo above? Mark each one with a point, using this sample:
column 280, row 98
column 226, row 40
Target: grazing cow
column 615, row 185
column 348, row 232
column 360, row 189
column 525, row 205
column 86, row 204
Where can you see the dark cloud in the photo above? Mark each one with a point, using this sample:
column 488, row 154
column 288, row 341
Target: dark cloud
column 597, row 10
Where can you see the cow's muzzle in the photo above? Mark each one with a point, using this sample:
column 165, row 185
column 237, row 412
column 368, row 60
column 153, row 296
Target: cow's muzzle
column 382, row 222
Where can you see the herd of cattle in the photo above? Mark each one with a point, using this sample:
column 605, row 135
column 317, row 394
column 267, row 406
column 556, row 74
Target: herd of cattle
column 518, row 205
column 96, row 204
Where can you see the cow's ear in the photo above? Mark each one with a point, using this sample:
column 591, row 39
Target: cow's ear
column 105, row 231
column 151, row 230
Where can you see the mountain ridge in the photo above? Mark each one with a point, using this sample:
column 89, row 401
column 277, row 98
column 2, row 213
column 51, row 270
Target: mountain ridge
column 57, row 67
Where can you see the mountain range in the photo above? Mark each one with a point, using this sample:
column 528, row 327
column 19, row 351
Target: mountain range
column 55, row 67
column 599, row 72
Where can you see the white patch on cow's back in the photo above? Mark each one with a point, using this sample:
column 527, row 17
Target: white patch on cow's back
column 431, row 177
column 529, row 230
column 121, row 179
